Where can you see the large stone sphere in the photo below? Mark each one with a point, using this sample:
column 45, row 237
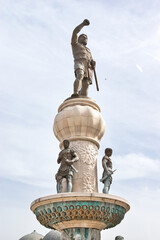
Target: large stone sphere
column 79, row 118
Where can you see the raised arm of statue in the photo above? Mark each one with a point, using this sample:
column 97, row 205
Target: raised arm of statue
column 78, row 29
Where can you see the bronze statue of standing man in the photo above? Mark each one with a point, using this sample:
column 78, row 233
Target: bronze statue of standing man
column 107, row 170
column 83, row 61
column 66, row 159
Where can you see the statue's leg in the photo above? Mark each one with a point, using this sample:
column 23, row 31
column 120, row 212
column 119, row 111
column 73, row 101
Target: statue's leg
column 85, row 86
column 69, row 183
column 106, row 186
column 78, row 81
column 59, row 186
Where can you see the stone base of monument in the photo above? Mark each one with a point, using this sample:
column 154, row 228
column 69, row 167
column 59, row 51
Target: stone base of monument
column 83, row 213
column 80, row 233
column 80, row 213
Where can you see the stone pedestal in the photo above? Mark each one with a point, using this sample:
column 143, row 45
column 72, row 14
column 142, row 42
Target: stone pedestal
column 83, row 212
column 85, row 233
column 80, row 213
column 79, row 120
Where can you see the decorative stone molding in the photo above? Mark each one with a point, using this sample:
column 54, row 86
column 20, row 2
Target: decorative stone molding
column 86, row 101
column 96, row 211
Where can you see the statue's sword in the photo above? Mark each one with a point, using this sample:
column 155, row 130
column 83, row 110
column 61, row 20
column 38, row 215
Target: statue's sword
column 105, row 177
column 95, row 76
column 74, row 169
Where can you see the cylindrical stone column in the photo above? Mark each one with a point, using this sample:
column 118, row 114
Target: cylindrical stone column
column 79, row 120
column 81, row 233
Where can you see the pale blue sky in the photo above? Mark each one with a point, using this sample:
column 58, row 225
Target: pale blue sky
column 36, row 69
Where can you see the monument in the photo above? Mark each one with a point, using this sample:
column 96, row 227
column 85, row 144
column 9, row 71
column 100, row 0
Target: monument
column 107, row 172
column 78, row 210
column 83, row 61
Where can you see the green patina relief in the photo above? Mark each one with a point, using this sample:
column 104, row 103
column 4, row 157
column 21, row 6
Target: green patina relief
column 110, row 214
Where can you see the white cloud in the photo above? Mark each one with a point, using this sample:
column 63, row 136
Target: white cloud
column 134, row 166
column 29, row 153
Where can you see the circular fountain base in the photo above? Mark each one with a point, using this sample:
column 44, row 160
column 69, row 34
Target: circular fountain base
column 80, row 210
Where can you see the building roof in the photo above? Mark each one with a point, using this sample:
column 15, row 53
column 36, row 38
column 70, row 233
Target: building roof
column 52, row 235
column 32, row 236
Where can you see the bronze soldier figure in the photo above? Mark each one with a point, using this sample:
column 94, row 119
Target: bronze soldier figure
column 107, row 170
column 83, row 61
column 66, row 158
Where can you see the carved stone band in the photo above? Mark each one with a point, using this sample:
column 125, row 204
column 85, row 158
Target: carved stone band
column 98, row 211
column 79, row 101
